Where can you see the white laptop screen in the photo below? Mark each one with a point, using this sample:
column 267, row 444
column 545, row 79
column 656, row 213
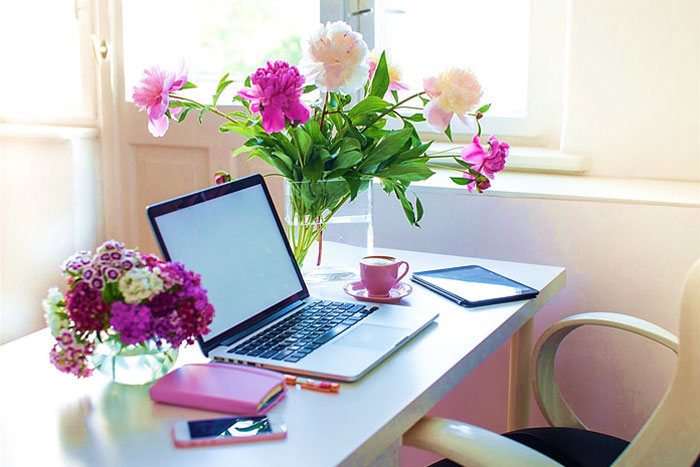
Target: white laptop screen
column 234, row 243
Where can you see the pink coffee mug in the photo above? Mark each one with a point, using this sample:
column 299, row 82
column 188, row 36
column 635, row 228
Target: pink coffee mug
column 380, row 273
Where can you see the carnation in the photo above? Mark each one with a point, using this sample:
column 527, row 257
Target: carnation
column 139, row 284
column 140, row 299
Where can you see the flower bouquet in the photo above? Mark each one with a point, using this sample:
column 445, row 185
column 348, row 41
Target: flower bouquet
column 124, row 309
column 345, row 135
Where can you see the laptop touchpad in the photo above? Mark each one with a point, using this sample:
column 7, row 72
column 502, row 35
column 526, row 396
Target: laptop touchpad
column 373, row 336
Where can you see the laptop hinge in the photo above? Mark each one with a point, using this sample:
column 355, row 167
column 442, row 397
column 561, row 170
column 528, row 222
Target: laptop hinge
column 260, row 324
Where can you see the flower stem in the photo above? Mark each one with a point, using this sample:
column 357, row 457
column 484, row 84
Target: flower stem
column 391, row 109
column 201, row 106
column 323, row 111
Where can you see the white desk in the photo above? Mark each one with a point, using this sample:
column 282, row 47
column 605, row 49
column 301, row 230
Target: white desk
column 49, row 418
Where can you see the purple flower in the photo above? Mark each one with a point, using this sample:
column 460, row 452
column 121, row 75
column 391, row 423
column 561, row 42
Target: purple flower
column 496, row 160
column 133, row 322
column 112, row 274
column 275, row 93
column 88, row 274
column 86, row 308
column 116, row 255
column 97, row 283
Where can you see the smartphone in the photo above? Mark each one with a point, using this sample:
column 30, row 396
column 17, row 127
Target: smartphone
column 227, row 430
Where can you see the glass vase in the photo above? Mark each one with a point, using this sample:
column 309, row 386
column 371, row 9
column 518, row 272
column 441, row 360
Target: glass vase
column 133, row 364
column 319, row 215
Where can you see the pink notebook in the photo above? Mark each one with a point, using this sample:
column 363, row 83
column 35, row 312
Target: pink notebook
column 221, row 387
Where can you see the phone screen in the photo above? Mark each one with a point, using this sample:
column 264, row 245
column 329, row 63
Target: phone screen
column 234, row 427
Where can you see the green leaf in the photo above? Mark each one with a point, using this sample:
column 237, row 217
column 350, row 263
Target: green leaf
column 367, row 105
column 347, row 159
column 380, row 82
column 184, row 113
column 241, row 149
column 448, row 132
column 419, row 210
column 483, row 109
column 314, row 131
column 461, row 180
column 354, row 183
column 387, row 147
column 396, row 95
column 407, row 173
column 308, row 88
column 304, row 141
column 424, row 99
column 313, row 168
column 204, row 109
column 237, row 127
column 413, row 153
column 189, row 85
column 246, row 83
column 416, row 118
column 405, row 204
column 223, row 83
column 286, row 145
column 466, row 165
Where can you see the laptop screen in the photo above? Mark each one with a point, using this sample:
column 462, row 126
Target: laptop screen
column 233, row 241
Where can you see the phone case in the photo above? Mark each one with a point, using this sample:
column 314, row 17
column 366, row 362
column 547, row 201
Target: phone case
column 195, row 443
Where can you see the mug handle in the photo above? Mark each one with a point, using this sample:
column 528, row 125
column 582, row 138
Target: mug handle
column 398, row 279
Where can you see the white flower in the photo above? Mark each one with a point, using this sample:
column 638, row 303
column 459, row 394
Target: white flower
column 56, row 318
column 139, row 284
column 334, row 58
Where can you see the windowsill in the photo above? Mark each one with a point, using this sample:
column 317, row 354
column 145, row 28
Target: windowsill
column 572, row 187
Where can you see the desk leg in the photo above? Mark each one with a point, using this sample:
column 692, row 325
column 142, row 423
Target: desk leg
column 519, row 377
column 391, row 457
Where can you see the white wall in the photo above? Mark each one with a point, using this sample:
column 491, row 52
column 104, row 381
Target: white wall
column 632, row 100
column 51, row 207
column 619, row 257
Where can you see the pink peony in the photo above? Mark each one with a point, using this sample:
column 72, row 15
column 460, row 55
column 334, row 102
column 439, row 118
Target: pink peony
column 153, row 95
column 335, row 58
column 454, row 92
column 275, row 95
column 485, row 162
column 395, row 83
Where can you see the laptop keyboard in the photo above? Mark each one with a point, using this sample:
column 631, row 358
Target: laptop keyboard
column 304, row 331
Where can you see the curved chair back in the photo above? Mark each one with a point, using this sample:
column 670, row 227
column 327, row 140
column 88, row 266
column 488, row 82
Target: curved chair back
column 671, row 436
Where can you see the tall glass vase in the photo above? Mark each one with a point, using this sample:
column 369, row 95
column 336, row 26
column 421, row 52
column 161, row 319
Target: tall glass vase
column 319, row 216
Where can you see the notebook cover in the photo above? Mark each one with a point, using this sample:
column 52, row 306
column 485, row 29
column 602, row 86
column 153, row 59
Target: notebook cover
column 220, row 387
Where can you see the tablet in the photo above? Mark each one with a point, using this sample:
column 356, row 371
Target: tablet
column 473, row 285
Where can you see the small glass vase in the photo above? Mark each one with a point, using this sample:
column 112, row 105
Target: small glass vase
column 134, row 364
column 320, row 212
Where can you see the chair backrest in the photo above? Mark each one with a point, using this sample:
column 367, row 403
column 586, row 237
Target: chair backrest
column 671, row 436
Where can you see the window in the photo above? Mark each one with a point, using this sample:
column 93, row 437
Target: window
column 214, row 37
column 508, row 48
column 52, row 78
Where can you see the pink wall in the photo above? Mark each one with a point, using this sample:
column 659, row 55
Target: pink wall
column 619, row 257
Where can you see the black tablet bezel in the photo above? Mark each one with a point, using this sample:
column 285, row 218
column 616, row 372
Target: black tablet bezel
column 527, row 291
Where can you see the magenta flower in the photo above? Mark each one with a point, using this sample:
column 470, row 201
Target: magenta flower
column 275, row 94
column 153, row 95
column 485, row 162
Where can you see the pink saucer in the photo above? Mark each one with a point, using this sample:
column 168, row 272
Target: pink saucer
column 397, row 292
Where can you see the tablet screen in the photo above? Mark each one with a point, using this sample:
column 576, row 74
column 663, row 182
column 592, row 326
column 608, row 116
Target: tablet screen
column 475, row 284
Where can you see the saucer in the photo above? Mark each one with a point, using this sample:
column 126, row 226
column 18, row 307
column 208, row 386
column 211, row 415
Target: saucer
column 397, row 292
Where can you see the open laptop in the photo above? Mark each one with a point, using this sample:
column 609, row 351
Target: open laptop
column 264, row 315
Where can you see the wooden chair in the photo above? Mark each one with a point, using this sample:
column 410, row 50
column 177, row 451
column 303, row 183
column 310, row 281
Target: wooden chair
column 671, row 436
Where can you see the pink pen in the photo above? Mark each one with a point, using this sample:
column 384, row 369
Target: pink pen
column 312, row 385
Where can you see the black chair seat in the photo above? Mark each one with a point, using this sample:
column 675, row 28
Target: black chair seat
column 568, row 446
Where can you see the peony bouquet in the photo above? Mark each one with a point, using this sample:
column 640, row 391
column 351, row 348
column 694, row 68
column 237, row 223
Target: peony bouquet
column 346, row 134
column 125, row 298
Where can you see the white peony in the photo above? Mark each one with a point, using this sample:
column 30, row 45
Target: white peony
column 139, row 284
column 335, row 58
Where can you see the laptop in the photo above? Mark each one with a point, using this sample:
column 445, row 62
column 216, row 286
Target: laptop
column 264, row 315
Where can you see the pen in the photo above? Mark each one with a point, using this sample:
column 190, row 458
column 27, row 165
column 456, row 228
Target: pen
column 312, row 385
